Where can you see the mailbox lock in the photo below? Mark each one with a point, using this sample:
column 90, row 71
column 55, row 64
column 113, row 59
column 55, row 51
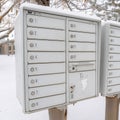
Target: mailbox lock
column 111, row 31
column 73, row 25
column 111, row 57
column 110, row 65
column 32, row 57
column 31, row 32
column 32, row 69
column 32, row 81
column 33, row 105
column 31, row 45
column 31, row 20
column 110, row 73
column 111, row 48
column 112, row 40
column 33, row 93
column 73, row 36
column 110, row 81
column 110, row 89
column 73, row 56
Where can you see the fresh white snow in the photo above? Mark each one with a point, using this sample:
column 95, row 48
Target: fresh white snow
column 10, row 109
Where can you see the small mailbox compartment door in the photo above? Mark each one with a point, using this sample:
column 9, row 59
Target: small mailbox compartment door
column 81, row 85
column 115, row 32
column 114, row 41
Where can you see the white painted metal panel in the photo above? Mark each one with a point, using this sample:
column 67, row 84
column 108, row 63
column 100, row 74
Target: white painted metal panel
column 82, row 85
column 114, row 57
column 40, row 21
column 46, row 102
column 42, row 45
column 48, row 34
column 114, row 65
column 114, row 41
column 114, row 89
column 43, row 80
column 115, row 32
column 74, row 46
column 113, row 73
column 114, row 49
column 45, row 57
column 81, row 26
column 113, row 81
column 36, row 69
column 81, row 66
column 83, row 56
column 46, row 91
column 81, row 37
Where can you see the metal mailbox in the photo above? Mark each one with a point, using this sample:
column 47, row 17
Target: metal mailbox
column 57, row 57
column 110, row 59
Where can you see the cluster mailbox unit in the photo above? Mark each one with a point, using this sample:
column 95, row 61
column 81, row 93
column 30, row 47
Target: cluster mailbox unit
column 57, row 57
column 110, row 58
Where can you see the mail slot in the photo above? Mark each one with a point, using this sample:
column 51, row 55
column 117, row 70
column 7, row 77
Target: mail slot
column 48, row 34
column 42, row 45
column 73, row 46
column 51, row 101
column 46, row 91
column 82, row 26
column 81, row 37
column 114, row 41
column 81, row 66
column 40, row 21
column 36, row 69
column 43, row 80
column 115, row 32
column 83, row 56
column 43, row 57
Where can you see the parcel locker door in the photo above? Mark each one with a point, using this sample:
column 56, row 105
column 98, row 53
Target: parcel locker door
column 82, row 85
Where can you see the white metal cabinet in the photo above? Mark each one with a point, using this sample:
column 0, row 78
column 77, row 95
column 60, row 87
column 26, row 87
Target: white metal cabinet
column 54, row 50
column 110, row 59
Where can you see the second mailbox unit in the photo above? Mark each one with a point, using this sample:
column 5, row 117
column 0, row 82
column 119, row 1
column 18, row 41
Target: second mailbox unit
column 110, row 58
column 57, row 57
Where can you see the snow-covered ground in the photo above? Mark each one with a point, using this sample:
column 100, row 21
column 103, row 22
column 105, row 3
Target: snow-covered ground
column 10, row 109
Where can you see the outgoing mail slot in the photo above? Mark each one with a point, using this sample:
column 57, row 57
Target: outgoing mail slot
column 73, row 46
column 113, row 89
column 45, row 22
column 114, row 81
column 114, row 73
column 82, row 85
column 81, row 66
column 82, row 26
column 46, row 91
column 81, row 56
column 115, row 32
column 43, row 57
column 114, row 49
column 114, row 41
column 43, row 80
column 40, row 45
column 82, row 37
column 114, row 57
column 48, row 34
column 114, row 65
column 46, row 102
column 36, row 69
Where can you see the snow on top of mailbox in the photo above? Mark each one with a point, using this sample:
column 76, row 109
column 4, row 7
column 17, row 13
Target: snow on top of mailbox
column 45, row 9
column 110, row 22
